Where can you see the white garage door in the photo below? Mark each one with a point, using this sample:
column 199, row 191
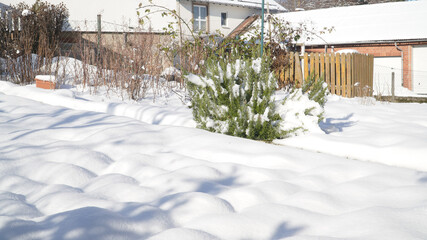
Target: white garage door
column 419, row 69
column 383, row 67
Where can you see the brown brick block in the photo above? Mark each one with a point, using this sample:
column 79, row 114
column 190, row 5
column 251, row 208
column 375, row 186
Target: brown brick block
column 45, row 84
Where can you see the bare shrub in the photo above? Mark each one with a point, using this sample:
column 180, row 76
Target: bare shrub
column 129, row 64
column 364, row 94
column 29, row 38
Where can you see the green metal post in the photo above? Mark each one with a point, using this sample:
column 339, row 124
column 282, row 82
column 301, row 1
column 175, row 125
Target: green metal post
column 262, row 28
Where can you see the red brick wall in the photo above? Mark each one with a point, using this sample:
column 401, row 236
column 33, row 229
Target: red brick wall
column 407, row 66
column 382, row 51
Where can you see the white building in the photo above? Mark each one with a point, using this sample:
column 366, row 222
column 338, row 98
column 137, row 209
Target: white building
column 209, row 15
column 394, row 33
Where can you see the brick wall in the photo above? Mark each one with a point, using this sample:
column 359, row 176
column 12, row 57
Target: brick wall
column 382, row 51
column 407, row 66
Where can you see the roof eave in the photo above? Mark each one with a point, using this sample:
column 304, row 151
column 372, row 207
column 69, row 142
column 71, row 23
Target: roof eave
column 391, row 41
column 274, row 9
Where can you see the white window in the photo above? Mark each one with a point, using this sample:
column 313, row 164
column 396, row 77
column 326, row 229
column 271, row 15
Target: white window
column 200, row 18
column 224, row 22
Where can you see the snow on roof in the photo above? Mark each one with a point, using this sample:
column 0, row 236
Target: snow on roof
column 272, row 4
column 368, row 23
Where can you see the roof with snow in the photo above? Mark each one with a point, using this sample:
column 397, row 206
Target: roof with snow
column 386, row 22
column 272, row 4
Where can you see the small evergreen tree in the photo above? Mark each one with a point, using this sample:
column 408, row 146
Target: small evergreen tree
column 316, row 90
column 235, row 97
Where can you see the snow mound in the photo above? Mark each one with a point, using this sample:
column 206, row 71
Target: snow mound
column 76, row 174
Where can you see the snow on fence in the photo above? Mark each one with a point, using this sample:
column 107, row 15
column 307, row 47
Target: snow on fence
column 347, row 74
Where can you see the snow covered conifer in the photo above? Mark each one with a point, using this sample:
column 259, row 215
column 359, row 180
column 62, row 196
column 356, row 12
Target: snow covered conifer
column 235, row 97
column 317, row 89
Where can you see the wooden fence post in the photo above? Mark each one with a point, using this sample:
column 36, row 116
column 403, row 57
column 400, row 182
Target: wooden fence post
column 392, row 85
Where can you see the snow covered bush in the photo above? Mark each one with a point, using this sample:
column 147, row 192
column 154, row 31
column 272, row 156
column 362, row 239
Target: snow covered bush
column 239, row 98
column 236, row 98
column 302, row 108
column 316, row 89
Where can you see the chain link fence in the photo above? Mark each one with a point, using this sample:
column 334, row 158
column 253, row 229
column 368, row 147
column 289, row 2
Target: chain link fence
column 384, row 76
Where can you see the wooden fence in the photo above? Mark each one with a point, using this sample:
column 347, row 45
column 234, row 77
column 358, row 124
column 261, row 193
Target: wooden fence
column 347, row 75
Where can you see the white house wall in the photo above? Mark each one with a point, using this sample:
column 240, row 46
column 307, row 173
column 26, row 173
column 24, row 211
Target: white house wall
column 235, row 16
column 186, row 13
column 419, row 69
column 154, row 20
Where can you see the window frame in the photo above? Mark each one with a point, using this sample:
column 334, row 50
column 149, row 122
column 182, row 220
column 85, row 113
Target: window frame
column 199, row 20
column 226, row 19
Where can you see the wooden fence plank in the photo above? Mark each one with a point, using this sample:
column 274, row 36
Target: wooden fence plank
column 365, row 73
column 356, row 75
column 287, row 73
column 322, row 66
column 311, row 65
column 292, row 68
column 328, row 70
column 371, row 73
column 361, row 79
column 306, row 72
column 316, row 66
column 362, row 71
column 343, row 75
column 281, row 76
column 298, row 71
column 348, row 71
column 333, row 74
column 353, row 74
column 338, row 73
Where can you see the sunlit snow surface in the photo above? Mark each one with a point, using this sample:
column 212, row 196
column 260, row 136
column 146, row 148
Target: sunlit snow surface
column 79, row 170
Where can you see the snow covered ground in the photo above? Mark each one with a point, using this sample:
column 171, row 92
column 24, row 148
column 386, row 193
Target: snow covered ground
column 75, row 166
